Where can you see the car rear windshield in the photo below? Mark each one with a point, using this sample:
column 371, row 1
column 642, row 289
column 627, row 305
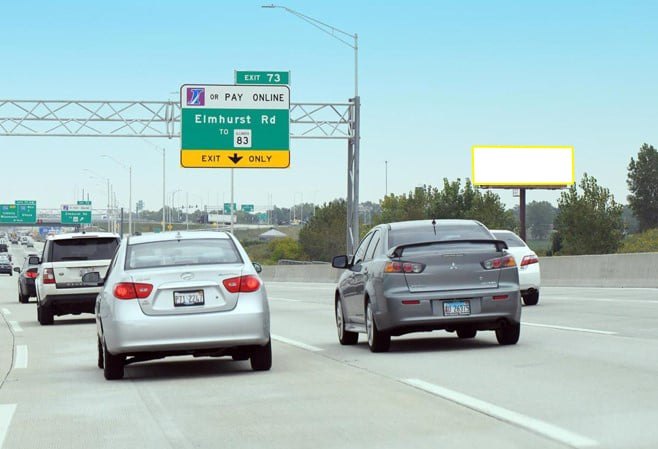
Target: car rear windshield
column 511, row 239
column 173, row 253
column 88, row 248
column 418, row 234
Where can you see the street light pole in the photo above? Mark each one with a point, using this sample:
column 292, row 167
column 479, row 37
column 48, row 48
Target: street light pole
column 130, row 190
column 353, row 153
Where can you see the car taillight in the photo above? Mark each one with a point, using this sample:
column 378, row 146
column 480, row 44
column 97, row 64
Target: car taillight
column 403, row 267
column 242, row 284
column 528, row 260
column 31, row 274
column 499, row 262
column 48, row 276
column 132, row 290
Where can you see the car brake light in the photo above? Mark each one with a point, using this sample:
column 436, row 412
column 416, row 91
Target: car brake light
column 132, row 290
column 31, row 274
column 242, row 284
column 499, row 262
column 403, row 267
column 48, row 276
column 499, row 297
column 528, row 260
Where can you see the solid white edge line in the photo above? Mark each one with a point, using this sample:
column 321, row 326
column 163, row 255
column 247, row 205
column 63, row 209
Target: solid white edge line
column 17, row 327
column 534, row 425
column 6, row 413
column 6, row 311
column 566, row 328
column 20, row 359
column 296, row 343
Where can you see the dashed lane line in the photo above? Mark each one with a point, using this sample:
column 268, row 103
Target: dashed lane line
column 537, row 426
column 298, row 344
column 15, row 326
column 20, row 357
column 6, row 414
column 567, row 328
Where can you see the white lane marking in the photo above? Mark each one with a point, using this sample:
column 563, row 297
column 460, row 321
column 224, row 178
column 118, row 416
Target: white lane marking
column 6, row 311
column 299, row 344
column 17, row 327
column 555, row 433
column 20, row 358
column 625, row 300
column 285, row 299
column 573, row 329
column 6, row 413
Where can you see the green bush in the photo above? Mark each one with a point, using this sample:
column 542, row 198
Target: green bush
column 645, row 242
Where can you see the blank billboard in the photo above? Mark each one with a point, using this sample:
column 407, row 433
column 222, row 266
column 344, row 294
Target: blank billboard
column 517, row 166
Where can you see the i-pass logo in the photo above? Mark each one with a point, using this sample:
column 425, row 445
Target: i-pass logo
column 196, row 96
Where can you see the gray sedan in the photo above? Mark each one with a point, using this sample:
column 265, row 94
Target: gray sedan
column 181, row 293
column 427, row 275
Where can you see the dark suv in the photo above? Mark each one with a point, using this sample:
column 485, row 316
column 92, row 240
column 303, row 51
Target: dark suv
column 66, row 257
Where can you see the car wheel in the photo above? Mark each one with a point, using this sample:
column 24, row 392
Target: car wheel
column 22, row 298
column 508, row 335
column 261, row 357
column 466, row 332
column 100, row 353
column 531, row 299
column 112, row 364
column 345, row 337
column 45, row 315
column 377, row 341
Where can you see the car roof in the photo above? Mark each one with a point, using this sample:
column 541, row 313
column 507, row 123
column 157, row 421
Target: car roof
column 84, row 234
column 177, row 235
column 428, row 222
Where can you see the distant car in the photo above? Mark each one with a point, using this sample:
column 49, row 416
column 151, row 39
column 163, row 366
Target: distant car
column 66, row 257
column 528, row 264
column 27, row 275
column 6, row 266
column 181, row 293
column 426, row 275
column 29, row 243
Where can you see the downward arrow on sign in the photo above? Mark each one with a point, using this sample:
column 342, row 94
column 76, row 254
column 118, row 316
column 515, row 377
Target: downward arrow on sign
column 235, row 158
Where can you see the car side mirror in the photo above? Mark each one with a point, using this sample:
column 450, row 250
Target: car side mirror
column 17, row 269
column 340, row 261
column 93, row 279
column 34, row 260
column 258, row 267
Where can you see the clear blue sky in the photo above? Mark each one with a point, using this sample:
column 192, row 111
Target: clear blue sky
column 435, row 78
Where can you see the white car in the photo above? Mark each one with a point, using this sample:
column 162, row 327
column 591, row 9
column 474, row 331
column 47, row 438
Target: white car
column 528, row 264
column 66, row 257
column 181, row 293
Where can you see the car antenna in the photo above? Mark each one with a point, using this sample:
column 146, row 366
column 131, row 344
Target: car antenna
column 434, row 224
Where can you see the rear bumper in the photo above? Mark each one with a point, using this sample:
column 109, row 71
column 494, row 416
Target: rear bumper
column 70, row 303
column 397, row 318
column 242, row 326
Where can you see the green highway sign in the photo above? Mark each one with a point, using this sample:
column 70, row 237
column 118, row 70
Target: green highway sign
column 247, row 207
column 251, row 77
column 21, row 212
column 227, row 208
column 229, row 126
column 76, row 213
column 84, row 202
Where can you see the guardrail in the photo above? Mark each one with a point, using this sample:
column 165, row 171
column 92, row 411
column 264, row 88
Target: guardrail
column 606, row 270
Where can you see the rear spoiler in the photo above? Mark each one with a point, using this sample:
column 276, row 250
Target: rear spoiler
column 396, row 251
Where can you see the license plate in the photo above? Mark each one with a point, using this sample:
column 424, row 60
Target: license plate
column 456, row 308
column 189, row 298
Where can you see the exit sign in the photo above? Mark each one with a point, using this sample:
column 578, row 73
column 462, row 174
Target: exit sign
column 247, row 77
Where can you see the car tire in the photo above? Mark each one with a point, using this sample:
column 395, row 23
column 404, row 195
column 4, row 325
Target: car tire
column 466, row 332
column 112, row 364
column 345, row 337
column 531, row 299
column 100, row 353
column 377, row 341
column 508, row 335
column 23, row 299
column 45, row 315
column 261, row 357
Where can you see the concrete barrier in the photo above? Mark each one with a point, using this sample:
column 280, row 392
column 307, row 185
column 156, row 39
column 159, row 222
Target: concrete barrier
column 606, row 270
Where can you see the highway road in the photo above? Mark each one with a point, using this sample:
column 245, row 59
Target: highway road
column 584, row 374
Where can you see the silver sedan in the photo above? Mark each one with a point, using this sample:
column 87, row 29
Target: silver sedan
column 181, row 293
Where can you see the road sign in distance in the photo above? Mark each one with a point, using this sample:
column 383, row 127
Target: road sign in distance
column 251, row 77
